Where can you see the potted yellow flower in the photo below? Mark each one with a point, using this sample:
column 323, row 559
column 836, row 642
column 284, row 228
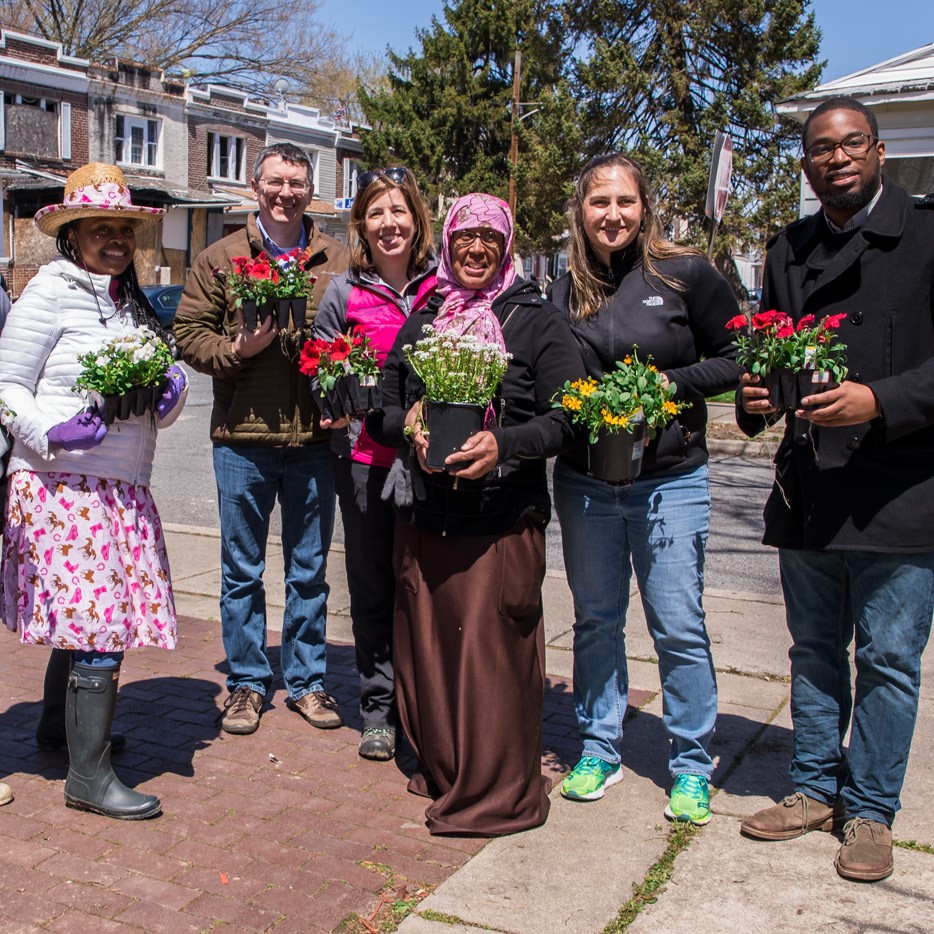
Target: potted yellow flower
column 620, row 411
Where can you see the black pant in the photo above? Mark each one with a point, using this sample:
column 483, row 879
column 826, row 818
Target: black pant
column 368, row 536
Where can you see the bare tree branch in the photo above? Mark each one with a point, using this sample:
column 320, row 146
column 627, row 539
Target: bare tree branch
column 250, row 43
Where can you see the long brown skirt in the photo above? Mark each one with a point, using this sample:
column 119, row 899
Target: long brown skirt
column 469, row 656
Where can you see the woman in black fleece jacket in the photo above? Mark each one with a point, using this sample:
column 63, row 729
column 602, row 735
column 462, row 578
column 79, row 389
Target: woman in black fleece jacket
column 627, row 287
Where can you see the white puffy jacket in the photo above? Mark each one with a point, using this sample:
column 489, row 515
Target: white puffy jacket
column 55, row 320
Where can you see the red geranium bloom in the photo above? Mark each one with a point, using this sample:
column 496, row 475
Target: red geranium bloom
column 340, row 349
column 806, row 322
column 738, row 322
column 786, row 330
column 833, row 321
column 310, row 359
column 767, row 319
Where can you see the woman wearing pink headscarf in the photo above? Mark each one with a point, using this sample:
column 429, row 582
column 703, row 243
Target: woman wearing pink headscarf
column 470, row 541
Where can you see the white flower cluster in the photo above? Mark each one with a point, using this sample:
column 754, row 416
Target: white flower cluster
column 136, row 358
column 457, row 367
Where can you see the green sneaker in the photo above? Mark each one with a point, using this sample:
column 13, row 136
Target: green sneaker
column 690, row 800
column 590, row 778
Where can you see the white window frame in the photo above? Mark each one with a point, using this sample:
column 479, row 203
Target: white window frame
column 125, row 152
column 49, row 105
column 351, row 168
column 313, row 155
column 64, row 130
column 43, row 103
column 234, row 142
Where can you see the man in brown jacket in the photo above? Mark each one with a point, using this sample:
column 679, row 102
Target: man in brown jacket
column 268, row 444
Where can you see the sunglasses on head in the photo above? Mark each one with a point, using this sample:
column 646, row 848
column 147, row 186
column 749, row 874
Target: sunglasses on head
column 397, row 174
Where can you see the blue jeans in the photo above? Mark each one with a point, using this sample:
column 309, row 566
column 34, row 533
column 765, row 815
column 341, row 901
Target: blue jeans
column 97, row 659
column 249, row 479
column 657, row 527
column 886, row 601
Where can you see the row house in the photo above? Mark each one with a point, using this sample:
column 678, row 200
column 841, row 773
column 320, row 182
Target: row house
column 900, row 93
column 185, row 148
column 43, row 137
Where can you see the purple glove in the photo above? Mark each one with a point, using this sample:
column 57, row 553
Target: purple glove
column 176, row 377
column 80, row 433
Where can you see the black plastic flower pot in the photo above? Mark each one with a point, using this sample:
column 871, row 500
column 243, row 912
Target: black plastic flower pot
column 617, row 456
column 350, row 398
column 254, row 314
column 359, row 396
column 108, row 408
column 775, row 381
column 450, row 424
column 282, row 312
column 299, row 312
column 812, row 383
column 140, row 400
column 788, row 387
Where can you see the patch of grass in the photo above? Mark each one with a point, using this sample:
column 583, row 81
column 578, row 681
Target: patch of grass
column 679, row 838
column 728, row 397
column 443, row 918
column 398, row 898
column 914, row 845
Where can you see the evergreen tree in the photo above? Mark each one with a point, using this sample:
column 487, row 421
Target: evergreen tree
column 445, row 111
column 658, row 79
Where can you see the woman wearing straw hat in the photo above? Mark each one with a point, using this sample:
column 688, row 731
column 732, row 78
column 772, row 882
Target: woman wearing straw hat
column 84, row 566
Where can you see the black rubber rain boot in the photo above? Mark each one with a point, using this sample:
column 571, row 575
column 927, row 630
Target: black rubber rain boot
column 91, row 784
column 50, row 733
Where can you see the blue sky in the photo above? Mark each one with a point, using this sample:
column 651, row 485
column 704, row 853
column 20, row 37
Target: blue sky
column 856, row 33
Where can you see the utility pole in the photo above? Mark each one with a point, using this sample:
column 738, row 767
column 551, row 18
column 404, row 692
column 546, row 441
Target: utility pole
column 514, row 149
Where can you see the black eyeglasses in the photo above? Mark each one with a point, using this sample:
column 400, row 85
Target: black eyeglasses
column 855, row 145
column 397, row 174
column 466, row 237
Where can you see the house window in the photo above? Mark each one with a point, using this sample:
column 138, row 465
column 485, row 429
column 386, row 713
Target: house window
column 136, row 141
column 351, row 168
column 31, row 125
column 226, row 156
column 40, row 103
column 916, row 173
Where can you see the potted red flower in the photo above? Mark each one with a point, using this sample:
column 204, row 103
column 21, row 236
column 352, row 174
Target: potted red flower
column 793, row 361
column 345, row 374
column 263, row 287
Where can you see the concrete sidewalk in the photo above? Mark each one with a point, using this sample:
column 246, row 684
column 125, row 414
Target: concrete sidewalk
column 288, row 830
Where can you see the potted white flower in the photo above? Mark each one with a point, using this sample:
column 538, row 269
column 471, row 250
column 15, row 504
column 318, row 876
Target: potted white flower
column 461, row 375
column 127, row 375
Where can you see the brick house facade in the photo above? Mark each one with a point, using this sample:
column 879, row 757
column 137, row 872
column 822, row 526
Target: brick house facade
column 188, row 149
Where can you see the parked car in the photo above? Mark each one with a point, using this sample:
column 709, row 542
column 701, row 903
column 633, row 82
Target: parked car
column 164, row 300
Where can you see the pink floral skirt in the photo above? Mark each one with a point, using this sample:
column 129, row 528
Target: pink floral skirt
column 84, row 564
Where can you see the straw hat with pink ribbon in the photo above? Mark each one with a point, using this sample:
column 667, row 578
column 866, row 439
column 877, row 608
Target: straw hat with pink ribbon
column 94, row 190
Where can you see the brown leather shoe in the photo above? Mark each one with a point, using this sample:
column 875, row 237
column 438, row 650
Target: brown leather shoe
column 793, row 817
column 319, row 709
column 866, row 853
column 242, row 711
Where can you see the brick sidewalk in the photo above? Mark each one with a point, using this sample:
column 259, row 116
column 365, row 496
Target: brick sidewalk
column 287, row 827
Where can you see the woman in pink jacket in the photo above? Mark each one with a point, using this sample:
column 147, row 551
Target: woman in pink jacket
column 391, row 275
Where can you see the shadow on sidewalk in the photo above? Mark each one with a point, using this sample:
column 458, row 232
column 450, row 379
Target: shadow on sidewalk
column 645, row 747
column 165, row 720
